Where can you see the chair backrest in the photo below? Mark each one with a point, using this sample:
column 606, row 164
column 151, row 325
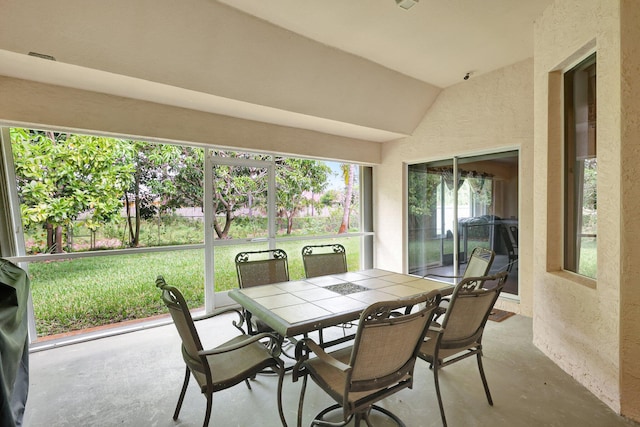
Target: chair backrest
column 261, row 267
column 386, row 344
column 181, row 316
column 320, row 260
column 469, row 310
column 479, row 263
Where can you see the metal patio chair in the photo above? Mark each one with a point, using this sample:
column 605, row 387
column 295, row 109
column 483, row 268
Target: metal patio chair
column 320, row 260
column 378, row 364
column 460, row 335
column 255, row 268
column 226, row 365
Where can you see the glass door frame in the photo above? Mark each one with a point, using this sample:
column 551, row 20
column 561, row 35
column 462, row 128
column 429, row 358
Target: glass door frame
column 455, row 162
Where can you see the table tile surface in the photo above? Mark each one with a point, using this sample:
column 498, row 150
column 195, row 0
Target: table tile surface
column 305, row 305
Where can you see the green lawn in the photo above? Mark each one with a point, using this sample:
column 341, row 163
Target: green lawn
column 85, row 292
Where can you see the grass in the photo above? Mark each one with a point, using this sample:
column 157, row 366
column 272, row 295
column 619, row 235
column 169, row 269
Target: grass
column 86, row 292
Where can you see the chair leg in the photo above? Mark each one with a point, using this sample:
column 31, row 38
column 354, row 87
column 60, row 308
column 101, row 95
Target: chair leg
column 207, row 415
column 300, row 402
column 437, row 384
column 182, row 393
column 281, row 371
column 484, row 379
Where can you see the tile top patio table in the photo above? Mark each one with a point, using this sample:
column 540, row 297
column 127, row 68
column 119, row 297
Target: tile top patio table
column 298, row 307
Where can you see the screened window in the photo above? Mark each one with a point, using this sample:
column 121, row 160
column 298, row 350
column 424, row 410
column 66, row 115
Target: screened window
column 95, row 219
column 581, row 169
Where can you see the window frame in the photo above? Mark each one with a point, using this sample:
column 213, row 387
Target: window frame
column 573, row 172
column 13, row 241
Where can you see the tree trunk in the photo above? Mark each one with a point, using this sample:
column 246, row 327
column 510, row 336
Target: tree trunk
column 128, row 209
column 50, row 238
column 136, row 238
column 289, row 223
column 58, row 244
column 344, row 227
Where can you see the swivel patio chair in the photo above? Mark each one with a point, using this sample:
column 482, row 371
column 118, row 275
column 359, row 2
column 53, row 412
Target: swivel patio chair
column 226, row 365
column 460, row 335
column 320, row 260
column 255, row 268
column 378, row 364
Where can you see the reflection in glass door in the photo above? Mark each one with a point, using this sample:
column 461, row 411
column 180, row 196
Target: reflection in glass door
column 459, row 204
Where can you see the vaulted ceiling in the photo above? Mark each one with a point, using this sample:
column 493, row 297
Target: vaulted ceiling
column 364, row 69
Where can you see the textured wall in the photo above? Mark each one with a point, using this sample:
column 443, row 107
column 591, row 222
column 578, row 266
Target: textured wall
column 576, row 319
column 630, row 193
column 493, row 112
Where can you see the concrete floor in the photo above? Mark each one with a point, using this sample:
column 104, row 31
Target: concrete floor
column 134, row 380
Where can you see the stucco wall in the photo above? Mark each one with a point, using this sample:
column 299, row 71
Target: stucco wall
column 490, row 113
column 575, row 319
column 630, row 190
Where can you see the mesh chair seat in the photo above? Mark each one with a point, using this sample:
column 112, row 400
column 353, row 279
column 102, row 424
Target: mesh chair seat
column 235, row 366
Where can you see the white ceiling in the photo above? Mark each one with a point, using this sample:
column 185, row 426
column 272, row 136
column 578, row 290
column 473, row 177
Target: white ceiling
column 436, row 41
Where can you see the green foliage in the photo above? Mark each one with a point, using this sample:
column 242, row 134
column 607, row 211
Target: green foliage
column 422, row 192
column 60, row 176
column 294, row 177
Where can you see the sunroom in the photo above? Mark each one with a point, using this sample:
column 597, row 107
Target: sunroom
column 485, row 139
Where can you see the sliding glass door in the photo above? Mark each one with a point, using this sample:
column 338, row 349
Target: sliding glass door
column 458, row 204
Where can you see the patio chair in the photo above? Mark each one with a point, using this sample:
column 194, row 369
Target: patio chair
column 255, row 268
column 320, row 260
column 460, row 335
column 378, row 364
column 226, row 365
column 478, row 265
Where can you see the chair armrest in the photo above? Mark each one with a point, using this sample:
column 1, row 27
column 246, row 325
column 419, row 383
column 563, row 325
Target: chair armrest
column 250, row 339
column 306, row 346
column 326, row 357
column 236, row 323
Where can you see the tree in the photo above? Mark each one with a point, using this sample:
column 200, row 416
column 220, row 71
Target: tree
column 422, row 195
column 152, row 164
column 60, row 176
column 294, row 177
column 348, row 172
column 234, row 187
